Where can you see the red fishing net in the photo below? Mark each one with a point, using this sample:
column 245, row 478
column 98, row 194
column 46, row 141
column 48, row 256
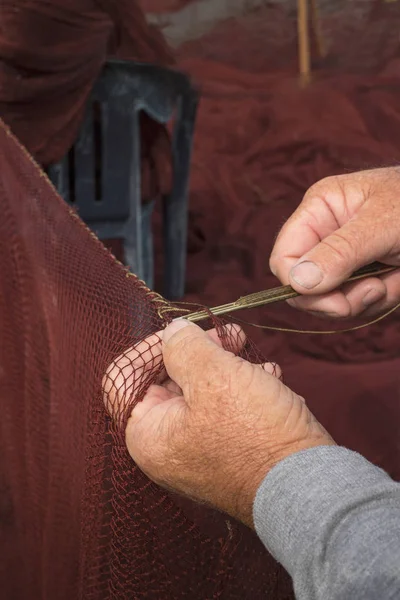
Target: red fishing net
column 78, row 519
column 258, row 35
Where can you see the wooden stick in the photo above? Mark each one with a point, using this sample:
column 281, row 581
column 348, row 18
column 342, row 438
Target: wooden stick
column 303, row 40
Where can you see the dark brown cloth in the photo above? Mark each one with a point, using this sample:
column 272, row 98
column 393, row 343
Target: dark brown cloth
column 51, row 53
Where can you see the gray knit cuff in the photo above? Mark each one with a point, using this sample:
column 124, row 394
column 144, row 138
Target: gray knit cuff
column 303, row 490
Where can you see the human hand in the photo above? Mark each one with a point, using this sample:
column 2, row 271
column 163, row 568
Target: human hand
column 342, row 224
column 215, row 424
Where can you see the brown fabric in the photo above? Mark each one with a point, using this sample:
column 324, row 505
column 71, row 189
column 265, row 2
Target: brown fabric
column 51, row 53
column 78, row 520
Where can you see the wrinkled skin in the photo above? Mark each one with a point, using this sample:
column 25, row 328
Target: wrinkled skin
column 215, row 425
column 343, row 224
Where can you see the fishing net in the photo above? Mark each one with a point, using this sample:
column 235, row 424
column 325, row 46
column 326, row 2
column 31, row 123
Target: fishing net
column 350, row 36
column 78, row 519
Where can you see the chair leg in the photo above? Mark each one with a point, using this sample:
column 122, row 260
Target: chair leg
column 140, row 256
column 133, row 244
column 175, row 207
column 147, row 244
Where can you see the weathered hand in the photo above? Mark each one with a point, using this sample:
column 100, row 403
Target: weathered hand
column 342, row 224
column 217, row 424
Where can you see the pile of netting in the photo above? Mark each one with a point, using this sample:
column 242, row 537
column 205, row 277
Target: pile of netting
column 343, row 35
column 78, row 520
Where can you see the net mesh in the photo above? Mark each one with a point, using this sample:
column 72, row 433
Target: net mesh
column 78, row 519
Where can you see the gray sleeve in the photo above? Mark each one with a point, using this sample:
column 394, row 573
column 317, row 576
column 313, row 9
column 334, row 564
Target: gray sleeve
column 332, row 519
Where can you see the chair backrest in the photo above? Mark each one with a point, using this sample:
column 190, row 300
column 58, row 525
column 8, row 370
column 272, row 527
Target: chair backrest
column 104, row 163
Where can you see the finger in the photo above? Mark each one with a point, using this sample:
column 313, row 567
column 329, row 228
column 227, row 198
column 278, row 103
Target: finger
column 335, row 231
column 231, row 337
column 190, row 354
column 173, row 387
column 127, row 374
column 363, row 294
column 391, row 298
column 333, row 305
column 130, row 372
column 326, row 207
column 239, row 340
column 273, row 369
column 352, row 300
column 155, row 395
column 366, row 298
column 331, row 262
column 151, row 421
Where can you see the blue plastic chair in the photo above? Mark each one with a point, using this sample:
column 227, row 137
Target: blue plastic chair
column 100, row 176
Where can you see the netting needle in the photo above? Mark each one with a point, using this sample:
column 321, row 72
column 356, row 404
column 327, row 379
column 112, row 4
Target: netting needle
column 277, row 294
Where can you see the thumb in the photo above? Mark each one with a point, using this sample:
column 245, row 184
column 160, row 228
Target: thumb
column 189, row 353
column 331, row 262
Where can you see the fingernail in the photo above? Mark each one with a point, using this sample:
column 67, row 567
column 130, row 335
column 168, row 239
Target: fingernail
column 372, row 296
column 173, row 328
column 307, row 274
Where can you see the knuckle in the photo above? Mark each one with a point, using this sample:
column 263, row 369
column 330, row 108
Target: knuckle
column 341, row 248
column 184, row 347
column 183, row 351
column 327, row 184
column 345, row 311
column 274, row 261
column 242, row 378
